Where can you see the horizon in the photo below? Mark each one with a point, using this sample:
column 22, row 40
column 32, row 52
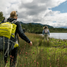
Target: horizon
column 45, row 24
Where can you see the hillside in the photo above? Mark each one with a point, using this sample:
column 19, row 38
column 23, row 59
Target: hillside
column 37, row 28
column 36, row 24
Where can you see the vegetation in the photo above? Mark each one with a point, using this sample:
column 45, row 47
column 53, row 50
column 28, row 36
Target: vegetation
column 38, row 28
column 52, row 53
column 1, row 16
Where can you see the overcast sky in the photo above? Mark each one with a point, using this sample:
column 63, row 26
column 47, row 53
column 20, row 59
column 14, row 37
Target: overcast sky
column 51, row 12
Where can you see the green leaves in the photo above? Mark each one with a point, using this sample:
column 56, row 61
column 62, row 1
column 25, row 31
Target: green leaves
column 1, row 16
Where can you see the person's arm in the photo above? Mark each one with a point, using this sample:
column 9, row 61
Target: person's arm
column 21, row 33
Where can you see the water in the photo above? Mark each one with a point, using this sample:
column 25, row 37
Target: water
column 58, row 35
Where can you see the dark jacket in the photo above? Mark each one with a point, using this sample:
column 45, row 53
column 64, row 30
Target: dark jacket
column 19, row 31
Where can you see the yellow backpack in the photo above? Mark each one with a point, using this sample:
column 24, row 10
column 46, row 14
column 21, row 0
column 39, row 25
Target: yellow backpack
column 7, row 29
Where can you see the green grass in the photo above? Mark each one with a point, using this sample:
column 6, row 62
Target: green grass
column 52, row 53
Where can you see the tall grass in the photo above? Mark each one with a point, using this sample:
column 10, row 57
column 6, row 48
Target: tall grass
column 52, row 53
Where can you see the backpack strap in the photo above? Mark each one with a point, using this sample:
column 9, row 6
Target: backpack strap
column 14, row 21
column 46, row 30
column 5, row 19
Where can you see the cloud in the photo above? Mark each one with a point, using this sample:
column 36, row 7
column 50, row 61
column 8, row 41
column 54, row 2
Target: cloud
column 37, row 11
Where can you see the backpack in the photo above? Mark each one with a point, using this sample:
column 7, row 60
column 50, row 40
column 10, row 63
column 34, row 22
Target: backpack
column 46, row 31
column 7, row 30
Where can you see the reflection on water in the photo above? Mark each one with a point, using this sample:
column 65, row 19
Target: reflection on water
column 59, row 35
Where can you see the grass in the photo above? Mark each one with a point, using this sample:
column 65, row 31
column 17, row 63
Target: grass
column 52, row 53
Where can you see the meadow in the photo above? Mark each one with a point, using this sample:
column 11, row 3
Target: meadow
column 52, row 53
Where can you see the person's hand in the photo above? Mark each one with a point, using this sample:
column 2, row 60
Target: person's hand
column 30, row 43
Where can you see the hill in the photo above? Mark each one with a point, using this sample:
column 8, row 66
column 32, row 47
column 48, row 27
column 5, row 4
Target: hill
column 38, row 28
column 37, row 24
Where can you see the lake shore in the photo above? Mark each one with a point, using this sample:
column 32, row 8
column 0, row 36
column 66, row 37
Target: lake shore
column 58, row 35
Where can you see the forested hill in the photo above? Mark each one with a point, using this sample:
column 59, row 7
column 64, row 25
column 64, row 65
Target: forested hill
column 36, row 27
column 36, row 24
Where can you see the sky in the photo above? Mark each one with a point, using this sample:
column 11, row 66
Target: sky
column 50, row 12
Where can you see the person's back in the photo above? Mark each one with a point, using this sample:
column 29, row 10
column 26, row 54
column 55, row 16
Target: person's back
column 19, row 31
column 46, row 33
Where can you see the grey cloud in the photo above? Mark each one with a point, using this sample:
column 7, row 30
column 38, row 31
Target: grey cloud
column 21, row 15
column 50, row 13
column 28, row 5
column 36, row 11
column 36, row 20
column 42, row 1
column 33, row 8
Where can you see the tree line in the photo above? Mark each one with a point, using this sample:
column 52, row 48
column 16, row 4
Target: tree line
column 38, row 28
column 1, row 16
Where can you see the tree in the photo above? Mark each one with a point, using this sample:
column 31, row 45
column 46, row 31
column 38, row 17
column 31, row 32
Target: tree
column 1, row 16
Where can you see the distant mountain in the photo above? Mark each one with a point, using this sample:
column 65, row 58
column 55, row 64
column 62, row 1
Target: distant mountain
column 38, row 28
column 37, row 24
column 63, row 27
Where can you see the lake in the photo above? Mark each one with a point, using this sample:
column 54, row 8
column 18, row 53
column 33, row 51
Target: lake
column 58, row 35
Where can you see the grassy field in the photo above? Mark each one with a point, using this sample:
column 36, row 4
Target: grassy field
column 52, row 53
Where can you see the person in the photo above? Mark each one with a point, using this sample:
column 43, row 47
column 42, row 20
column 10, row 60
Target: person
column 19, row 31
column 46, row 33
